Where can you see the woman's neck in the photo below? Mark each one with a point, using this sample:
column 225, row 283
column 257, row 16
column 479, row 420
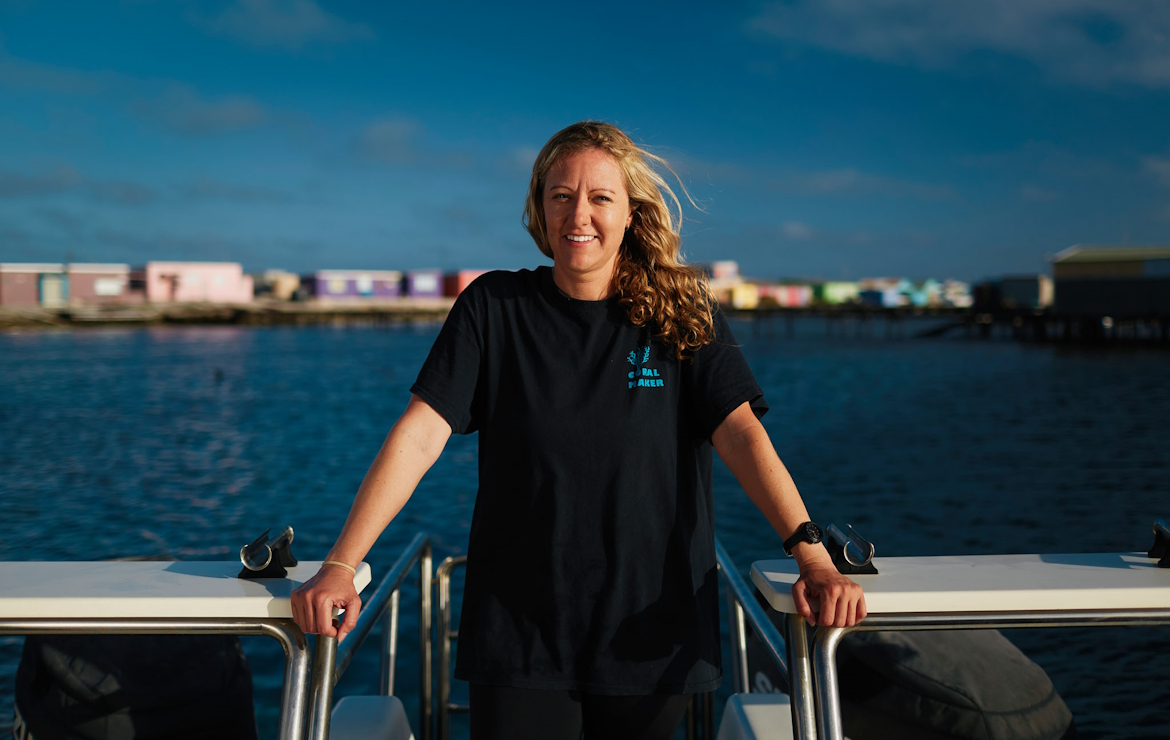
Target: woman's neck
column 584, row 287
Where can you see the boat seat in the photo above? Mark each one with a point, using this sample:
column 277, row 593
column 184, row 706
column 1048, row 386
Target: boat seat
column 369, row 718
column 756, row 717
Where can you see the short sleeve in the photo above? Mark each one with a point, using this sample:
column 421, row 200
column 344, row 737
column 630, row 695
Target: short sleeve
column 450, row 376
column 719, row 380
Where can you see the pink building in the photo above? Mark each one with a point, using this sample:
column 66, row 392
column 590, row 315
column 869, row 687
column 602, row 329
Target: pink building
column 91, row 284
column 196, row 282
column 21, row 283
column 788, row 296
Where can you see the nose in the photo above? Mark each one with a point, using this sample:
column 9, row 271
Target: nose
column 581, row 211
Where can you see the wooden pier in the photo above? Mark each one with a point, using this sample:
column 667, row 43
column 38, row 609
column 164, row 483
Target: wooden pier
column 1025, row 325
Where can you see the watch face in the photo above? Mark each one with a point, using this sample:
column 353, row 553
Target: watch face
column 812, row 531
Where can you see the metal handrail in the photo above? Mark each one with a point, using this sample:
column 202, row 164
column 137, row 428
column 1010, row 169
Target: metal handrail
column 383, row 605
column 742, row 609
column 742, row 606
column 446, row 636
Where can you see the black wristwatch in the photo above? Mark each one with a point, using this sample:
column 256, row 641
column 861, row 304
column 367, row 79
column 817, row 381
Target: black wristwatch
column 808, row 532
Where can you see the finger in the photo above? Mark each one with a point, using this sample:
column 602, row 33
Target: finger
column 297, row 614
column 803, row 608
column 852, row 620
column 862, row 611
column 351, row 618
column 844, row 605
column 323, row 617
column 828, row 607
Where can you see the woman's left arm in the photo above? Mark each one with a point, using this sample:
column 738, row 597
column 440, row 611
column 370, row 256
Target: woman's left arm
column 744, row 446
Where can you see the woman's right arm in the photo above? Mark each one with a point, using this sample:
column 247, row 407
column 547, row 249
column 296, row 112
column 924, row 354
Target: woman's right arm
column 410, row 449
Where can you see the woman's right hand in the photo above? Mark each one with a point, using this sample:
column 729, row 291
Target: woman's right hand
column 313, row 603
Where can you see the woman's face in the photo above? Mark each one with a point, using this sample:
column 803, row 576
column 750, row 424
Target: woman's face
column 586, row 214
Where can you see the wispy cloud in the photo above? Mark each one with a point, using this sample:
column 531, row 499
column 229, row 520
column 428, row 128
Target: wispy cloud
column 22, row 74
column 181, row 109
column 838, row 182
column 21, row 185
column 853, row 182
column 390, row 141
column 121, row 193
column 1159, row 167
column 287, row 24
column 796, row 230
column 65, row 180
column 206, row 188
column 396, row 140
column 1034, row 194
column 1094, row 42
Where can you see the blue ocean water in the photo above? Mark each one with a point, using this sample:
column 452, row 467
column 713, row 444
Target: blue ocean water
column 189, row 441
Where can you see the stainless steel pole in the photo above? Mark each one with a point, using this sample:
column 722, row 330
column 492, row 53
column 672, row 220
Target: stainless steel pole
column 389, row 647
column 826, row 641
column 425, row 573
column 800, row 680
column 324, row 664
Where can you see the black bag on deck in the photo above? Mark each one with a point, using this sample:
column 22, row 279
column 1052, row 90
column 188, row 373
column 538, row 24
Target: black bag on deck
column 140, row 687
column 932, row 685
column 946, row 685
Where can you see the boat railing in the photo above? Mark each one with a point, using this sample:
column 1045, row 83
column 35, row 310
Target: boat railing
column 446, row 636
column 382, row 607
column 742, row 609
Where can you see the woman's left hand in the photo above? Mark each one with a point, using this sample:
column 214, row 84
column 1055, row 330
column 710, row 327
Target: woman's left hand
column 842, row 604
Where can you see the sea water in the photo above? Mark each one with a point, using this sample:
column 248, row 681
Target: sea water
column 187, row 442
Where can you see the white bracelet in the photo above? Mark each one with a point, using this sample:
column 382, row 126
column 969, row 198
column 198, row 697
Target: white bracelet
column 350, row 568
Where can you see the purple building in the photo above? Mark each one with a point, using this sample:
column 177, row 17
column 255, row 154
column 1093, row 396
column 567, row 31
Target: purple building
column 353, row 285
column 424, row 283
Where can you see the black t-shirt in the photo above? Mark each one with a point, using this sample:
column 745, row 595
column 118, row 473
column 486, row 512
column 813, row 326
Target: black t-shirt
column 591, row 561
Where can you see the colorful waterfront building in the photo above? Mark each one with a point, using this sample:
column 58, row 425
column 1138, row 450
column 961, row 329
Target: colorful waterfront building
column 957, row 294
column 352, row 285
column 836, row 292
column 193, row 282
column 57, row 285
column 424, row 284
column 279, row 285
column 785, row 295
column 455, row 283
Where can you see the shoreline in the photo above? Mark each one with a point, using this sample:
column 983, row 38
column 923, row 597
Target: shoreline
column 256, row 313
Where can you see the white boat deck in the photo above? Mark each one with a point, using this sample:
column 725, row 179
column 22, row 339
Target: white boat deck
column 992, row 583
column 149, row 589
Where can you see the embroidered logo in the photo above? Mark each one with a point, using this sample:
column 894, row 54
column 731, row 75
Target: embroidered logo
column 642, row 376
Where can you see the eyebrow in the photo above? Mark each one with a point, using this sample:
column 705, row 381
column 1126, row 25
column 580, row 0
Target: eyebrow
column 592, row 190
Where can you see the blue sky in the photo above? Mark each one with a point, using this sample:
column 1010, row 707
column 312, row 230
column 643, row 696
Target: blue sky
column 841, row 138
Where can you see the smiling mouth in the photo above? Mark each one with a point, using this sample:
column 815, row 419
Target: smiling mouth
column 579, row 239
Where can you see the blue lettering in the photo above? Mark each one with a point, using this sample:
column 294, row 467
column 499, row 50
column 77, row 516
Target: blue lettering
column 658, row 382
column 631, row 384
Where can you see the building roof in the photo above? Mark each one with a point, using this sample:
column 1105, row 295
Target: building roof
column 97, row 267
column 1093, row 253
column 348, row 274
column 32, row 267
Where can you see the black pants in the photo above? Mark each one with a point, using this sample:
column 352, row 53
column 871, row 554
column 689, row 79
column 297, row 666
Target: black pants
column 503, row 713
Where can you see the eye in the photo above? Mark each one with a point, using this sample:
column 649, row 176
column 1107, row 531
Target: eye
column 605, row 198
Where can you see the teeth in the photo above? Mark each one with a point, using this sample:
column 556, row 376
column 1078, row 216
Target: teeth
column 579, row 238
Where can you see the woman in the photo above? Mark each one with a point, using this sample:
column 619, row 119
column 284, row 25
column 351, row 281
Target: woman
column 598, row 388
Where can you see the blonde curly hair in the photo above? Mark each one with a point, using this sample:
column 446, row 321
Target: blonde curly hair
column 650, row 280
